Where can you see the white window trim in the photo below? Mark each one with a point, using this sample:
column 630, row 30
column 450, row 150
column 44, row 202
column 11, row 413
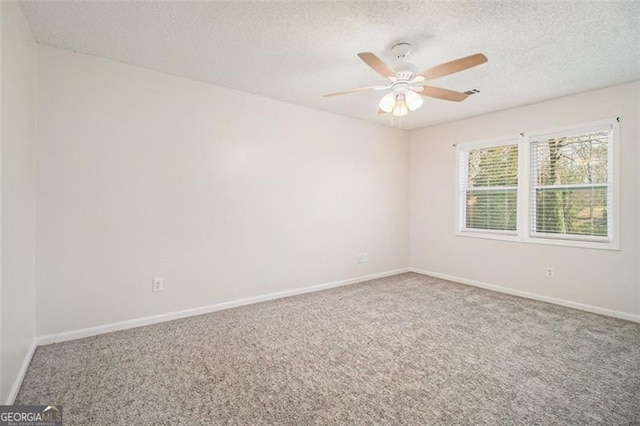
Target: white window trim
column 523, row 231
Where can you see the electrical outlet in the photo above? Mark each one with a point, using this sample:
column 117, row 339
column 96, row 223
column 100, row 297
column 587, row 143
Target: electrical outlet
column 550, row 272
column 363, row 258
column 157, row 284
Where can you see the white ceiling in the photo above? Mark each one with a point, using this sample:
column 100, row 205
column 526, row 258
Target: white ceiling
column 297, row 51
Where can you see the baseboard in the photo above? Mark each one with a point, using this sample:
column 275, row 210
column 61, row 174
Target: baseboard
column 139, row 322
column 534, row 296
column 13, row 393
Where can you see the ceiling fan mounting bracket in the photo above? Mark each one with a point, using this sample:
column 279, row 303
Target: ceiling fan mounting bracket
column 401, row 49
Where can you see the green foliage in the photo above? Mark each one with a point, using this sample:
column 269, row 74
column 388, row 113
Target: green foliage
column 496, row 209
column 580, row 211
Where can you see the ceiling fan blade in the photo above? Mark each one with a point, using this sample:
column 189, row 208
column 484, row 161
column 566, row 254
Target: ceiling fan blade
column 454, row 66
column 346, row 92
column 446, row 94
column 376, row 63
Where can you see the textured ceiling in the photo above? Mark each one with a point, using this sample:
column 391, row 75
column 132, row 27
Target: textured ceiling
column 297, row 51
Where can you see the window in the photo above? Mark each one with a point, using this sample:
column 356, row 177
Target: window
column 551, row 187
column 490, row 188
column 570, row 185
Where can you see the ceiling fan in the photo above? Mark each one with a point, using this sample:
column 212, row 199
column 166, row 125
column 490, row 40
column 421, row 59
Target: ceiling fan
column 407, row 83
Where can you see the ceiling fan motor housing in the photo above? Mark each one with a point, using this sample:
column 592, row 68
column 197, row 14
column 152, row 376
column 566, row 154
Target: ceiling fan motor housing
column 400, row 86
column 404, row 70
column 405, row 75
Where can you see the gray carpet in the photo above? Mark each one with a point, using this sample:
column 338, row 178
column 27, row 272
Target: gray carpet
column 408, row 349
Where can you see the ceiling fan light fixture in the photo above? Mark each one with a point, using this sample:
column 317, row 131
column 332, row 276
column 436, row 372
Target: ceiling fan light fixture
column 387, row 102
column 400, row 108
column 413, row 100
column 407, row 83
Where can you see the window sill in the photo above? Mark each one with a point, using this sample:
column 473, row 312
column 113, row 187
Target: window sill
column 610, row 245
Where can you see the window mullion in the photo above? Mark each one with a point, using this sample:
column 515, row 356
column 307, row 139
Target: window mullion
column 523, row 187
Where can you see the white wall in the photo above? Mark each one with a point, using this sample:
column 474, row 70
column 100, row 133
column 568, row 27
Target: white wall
column 600, row 278
column 17, row 186
column 225, row 194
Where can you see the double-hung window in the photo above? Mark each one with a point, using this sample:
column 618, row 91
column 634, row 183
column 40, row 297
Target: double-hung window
column 489, row 189
column 555, row 187
column 571, row 186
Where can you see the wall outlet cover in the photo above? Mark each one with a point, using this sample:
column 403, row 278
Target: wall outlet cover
column 157, row 284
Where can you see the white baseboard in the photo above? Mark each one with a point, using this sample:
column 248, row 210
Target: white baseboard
column 534, row 296
column 13, row 393
column 139, row 322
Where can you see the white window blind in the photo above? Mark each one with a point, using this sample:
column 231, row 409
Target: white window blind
column 489, row 188
column 570, row 192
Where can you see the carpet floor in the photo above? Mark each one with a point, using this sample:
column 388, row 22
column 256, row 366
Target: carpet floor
column 407, row 349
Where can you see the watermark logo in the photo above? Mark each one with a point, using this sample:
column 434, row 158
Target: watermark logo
column 30, row 415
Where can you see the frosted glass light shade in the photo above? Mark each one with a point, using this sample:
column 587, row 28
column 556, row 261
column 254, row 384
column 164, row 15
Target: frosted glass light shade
column 400, row 108
column 414, row 100
column 387, row 102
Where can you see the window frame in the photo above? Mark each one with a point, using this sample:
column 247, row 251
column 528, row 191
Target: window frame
column 524, row 229
column 462, row 186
